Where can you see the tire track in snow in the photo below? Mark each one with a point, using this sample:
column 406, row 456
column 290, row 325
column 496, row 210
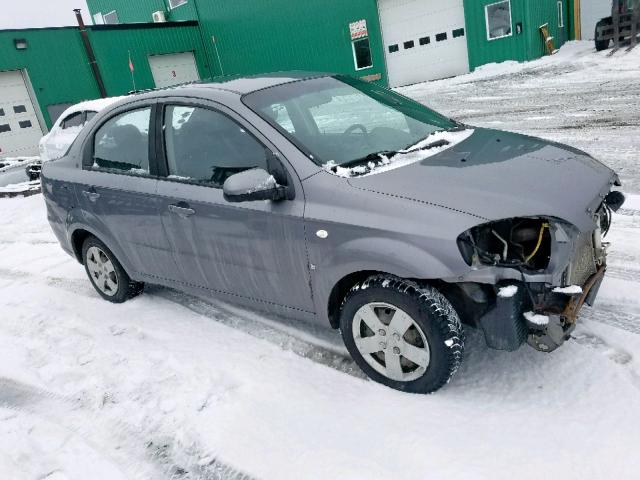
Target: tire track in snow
column 167, row 459
column 260, row 326
column 256, row 325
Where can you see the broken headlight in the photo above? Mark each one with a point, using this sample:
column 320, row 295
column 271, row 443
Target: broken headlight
column 516, row 242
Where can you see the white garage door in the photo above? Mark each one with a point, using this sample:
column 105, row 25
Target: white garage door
column 423, row 39
column 591, row 11
column 173, row 69
column 19, row 127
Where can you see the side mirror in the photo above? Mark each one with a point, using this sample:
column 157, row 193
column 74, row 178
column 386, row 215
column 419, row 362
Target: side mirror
column 252, row 185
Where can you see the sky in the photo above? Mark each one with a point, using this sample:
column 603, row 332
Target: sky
column 41, row 13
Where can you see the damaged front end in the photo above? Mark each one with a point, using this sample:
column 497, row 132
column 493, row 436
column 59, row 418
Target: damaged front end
column 531, row 276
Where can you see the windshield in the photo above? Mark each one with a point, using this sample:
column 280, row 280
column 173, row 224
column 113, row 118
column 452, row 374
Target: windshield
column 341, row 120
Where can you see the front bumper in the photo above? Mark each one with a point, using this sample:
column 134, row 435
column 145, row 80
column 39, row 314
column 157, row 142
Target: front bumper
column 562, row 314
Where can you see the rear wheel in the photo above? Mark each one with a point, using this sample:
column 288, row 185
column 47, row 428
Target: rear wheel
column 106, row 274
column 405, row 336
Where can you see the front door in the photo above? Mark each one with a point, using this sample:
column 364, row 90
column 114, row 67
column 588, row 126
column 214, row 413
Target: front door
column 253, row 250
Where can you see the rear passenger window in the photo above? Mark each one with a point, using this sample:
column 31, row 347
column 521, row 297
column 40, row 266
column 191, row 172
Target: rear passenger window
column 122, row 143
column 208, row 147
column 73, row 120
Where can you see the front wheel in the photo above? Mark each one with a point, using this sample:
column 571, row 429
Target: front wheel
column 405, row 336
column 106, row 274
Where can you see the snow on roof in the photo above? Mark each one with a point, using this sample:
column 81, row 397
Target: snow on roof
column 91, row 105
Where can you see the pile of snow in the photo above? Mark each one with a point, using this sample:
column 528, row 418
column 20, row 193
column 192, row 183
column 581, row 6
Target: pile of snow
column 570, row 290
column 404, row 157
column 536, row 318
column 22, row 187
column 508, row 291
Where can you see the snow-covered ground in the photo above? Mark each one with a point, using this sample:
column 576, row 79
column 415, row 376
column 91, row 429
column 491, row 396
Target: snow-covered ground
column 168, row 386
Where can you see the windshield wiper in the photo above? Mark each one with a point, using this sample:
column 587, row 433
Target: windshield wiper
column 372, row 157
column 429, row 146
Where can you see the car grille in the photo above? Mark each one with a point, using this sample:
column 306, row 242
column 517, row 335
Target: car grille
column 584, row 263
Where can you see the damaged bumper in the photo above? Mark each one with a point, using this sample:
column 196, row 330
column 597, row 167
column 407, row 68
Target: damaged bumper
column 561, row 320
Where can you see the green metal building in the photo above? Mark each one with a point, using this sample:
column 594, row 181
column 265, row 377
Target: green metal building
column 391, row 42
column 43, row 71
column 395, row 42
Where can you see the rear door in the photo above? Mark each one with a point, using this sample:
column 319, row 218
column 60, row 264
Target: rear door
column 118, row 187
column 253, row 250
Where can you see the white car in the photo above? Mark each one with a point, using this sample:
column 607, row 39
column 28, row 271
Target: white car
column 56, row 143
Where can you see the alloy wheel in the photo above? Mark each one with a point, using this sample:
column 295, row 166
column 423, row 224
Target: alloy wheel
column 391, row 341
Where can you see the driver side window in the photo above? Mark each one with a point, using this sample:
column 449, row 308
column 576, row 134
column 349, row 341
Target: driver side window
column 206, row 146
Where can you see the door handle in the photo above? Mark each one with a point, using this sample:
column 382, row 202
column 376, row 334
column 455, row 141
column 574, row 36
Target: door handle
column 182, row 211
column 91, row 195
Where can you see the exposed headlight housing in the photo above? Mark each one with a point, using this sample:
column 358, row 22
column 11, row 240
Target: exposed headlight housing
column 515, row 242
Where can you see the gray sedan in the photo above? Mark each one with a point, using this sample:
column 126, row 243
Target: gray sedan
column 335, row 201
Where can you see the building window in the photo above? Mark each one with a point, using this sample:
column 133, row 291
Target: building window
column 176, row 3
column 25, row 124
column 458, row 33
column 5, row 128
column 393, row 48
column 424, row 40
column 111, row 18
column 362, row 54
column 409, row 44
column 441, row 37
column 19, row 109
column 498, row 18
column 560, row 15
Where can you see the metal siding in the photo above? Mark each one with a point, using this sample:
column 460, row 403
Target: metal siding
column 483, row 51
column 112, row 51
column 55, row 62
column 539, row 13
column 523, row 47
column 140, row 10
column 255, row 36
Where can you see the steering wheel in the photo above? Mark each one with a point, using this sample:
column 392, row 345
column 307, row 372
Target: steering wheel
column 354, row 127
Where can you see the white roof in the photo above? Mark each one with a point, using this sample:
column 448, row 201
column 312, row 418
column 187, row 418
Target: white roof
column 90, row 105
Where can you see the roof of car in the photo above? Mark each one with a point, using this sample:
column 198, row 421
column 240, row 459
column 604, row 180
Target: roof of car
column 248, row 84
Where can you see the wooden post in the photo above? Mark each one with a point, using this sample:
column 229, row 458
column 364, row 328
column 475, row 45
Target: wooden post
column 577, row 20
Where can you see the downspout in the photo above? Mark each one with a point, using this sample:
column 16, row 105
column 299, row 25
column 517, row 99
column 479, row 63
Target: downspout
column 92, row 58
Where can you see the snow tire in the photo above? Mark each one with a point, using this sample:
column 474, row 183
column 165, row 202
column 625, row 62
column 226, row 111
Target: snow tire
column 428, row 308
column 126, row 288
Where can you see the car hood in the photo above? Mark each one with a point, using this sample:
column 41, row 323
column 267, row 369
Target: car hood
column 495, row 175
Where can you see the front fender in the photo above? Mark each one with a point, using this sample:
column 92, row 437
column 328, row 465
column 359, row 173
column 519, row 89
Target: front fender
column 401, row 259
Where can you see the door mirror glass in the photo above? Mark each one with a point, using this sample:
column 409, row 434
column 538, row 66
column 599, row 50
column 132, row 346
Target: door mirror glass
column 252, row 185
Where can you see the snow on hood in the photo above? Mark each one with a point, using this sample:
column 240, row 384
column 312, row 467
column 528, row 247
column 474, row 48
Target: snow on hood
column 404, row 157
column 495, row 175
